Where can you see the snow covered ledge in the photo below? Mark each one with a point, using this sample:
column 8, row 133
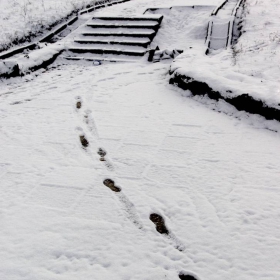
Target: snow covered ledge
column 35, row 60
column 216, row 77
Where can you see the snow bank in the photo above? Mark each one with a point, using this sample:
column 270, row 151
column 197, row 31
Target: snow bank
column 251, row 67
column 218, row 73
column 21, row 19
column 8, row 68
column 30, row 62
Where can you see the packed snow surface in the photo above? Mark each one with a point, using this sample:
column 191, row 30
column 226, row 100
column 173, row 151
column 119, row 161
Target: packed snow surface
column 213, row 177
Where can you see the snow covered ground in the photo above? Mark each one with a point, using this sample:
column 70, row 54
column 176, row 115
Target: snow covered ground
column 213, row 177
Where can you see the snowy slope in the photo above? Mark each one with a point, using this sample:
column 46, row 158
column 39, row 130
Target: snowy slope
column 252, row 67
column 21, row 18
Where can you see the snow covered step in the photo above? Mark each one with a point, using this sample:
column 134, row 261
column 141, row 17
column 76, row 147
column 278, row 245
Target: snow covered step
column 146, row 34
column 109, row 46
column 124, row 22
column 107, row 51
column 116, row 58
column 157, row 18
column 119, row 30
column 115, row 39
column 144, row 43
column 130, row 26
column 109, row 37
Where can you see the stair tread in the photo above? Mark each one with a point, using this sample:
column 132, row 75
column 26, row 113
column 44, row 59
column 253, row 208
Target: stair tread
column 136, row 26
column 108, row 42
column 105, row 49
column 109, row 47
column 114, row 40
column 132, row 18
column 122, row 34
column 119, row 31
column 123, row 22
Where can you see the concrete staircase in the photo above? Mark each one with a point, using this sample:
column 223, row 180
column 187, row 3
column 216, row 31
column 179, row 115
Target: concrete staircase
column 114, row 38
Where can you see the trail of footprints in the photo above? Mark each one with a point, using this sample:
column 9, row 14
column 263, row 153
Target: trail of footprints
column 89, row 121
column 155, row 218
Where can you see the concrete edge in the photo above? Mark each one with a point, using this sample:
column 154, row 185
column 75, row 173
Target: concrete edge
column 8, row 54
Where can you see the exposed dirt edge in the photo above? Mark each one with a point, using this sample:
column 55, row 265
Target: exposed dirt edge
column 243, row 102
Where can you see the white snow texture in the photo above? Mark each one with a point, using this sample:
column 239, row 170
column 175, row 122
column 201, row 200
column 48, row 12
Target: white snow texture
column 210, row 171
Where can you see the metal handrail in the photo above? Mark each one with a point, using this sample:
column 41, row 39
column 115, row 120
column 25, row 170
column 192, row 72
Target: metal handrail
column 214, row 13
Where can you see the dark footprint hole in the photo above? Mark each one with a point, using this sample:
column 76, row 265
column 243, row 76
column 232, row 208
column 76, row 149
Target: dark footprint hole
column 186, row 277
column 84, row 141
column 101, row 152
column 159, row 222
column 79, row 105
column 111, row 185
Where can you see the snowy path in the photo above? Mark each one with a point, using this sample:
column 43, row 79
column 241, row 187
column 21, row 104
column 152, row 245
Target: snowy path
column 214, row 179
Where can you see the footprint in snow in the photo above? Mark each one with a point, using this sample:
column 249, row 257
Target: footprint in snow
column 79, row 102
column 186, row 277
column 162, row 229
column 128, row 206
column 89, row 120
column 79, row 105
column 111, row 185
column 102, row 154
column 84, row 141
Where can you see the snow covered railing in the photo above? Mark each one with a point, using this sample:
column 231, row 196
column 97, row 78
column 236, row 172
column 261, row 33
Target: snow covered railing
column 58, row 30
column 234, row 12
column 15, row 51
column 214, row 13
column 212, row 25
column 101, row 4
column 232, row 22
